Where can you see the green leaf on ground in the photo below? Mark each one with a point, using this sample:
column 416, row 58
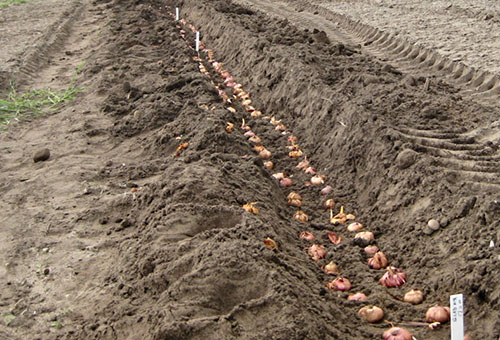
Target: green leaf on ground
column 8, row 318
column 56, row 324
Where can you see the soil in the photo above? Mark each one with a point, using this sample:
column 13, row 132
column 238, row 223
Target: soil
column 29, row 33
column 464, row 30
column 126, row 232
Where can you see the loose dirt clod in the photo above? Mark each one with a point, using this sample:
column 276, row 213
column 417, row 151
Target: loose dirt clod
column 41, row 155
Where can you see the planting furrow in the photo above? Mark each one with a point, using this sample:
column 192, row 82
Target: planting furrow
column 269, row 126
column 230, row 90
column 273, row 73
column 274, row 184
column 207, row 243
column 280, row 186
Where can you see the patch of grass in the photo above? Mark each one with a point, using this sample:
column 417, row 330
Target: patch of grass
column 5, row 3
column 17, row 107
column 35, row 102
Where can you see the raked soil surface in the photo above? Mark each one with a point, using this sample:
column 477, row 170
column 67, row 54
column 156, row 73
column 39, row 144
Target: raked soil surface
column 463, row 30
column 134, row 228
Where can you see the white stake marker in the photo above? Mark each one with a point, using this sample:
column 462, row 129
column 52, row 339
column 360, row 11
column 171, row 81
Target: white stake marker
column 457, row 316
column 176, row 13
column 197, row 41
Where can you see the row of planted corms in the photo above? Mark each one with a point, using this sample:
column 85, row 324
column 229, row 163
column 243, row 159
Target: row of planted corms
column 393, row 277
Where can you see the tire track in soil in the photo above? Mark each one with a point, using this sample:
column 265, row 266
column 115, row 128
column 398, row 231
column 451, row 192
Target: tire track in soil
column 474, row 151
column 458, row 154
column 52, row 41
column 404, row 55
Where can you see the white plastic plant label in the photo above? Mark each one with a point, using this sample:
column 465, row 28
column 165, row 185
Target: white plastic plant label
column 457, row 316
column 176, row 13
column 197, row 41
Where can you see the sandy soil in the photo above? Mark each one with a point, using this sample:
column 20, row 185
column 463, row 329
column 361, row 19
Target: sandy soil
column 465, row 30
column 125, row 232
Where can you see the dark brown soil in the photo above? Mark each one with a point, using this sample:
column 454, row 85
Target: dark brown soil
column 144, row 242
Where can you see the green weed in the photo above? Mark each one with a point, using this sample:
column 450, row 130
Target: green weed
column 5, row 3
column 8, row 318
column 17, row 107
column 56, row 324
column 34, row 102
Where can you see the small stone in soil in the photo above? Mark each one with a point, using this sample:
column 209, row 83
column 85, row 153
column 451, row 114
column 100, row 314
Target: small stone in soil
column 406, row 158
column 41, row 155
column 433, row 224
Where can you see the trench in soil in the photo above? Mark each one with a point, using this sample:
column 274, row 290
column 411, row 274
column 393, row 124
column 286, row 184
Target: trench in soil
column 193, row 264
